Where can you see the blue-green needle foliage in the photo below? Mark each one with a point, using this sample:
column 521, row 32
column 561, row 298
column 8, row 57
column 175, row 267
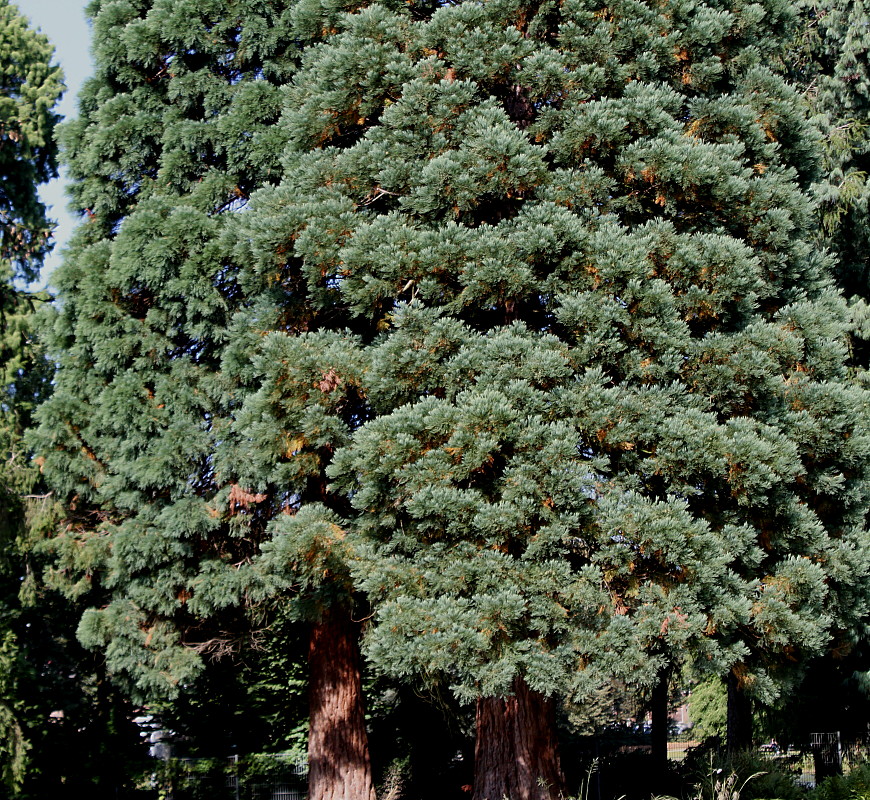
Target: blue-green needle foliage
column 176, row 129
column 545, row 346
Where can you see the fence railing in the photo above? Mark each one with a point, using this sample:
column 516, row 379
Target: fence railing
column 623, row 760
column 614, row 755
column 267, row 777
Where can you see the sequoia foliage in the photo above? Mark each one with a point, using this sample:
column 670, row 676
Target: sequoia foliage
column 505, row 319
column 546, row 305
column 176, row 129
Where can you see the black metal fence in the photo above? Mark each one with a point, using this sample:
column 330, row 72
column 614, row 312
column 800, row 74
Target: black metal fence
column 825, row 754
column 268, row 777
column 620, row 763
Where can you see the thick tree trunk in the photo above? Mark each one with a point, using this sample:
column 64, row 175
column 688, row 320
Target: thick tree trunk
column 338, row 752
column 739, row 721
column 659, row 712
column 516, row 754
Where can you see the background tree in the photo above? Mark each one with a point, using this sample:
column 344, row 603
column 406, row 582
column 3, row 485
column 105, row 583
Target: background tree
column 828, row 60
column 708, row 709
column 30, row 86
column 831, row 62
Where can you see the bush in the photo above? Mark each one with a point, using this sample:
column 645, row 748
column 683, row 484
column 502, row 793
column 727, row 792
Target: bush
column 855, row 785
column 776, row 782
column 746, row 776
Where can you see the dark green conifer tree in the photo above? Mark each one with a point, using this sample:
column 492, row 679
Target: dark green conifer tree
column 831, row 61
column 176, row 129
column 62, row 728
column 547, row 310
column 30, row 86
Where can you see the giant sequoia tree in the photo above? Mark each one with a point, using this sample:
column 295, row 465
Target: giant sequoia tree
column 546, row 310
column 176, row 129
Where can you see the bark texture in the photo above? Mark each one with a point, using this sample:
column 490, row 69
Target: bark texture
column 516, row 754
column 338, row 753
column 739, row 720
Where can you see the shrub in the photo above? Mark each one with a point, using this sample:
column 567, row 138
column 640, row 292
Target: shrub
column 855, row 785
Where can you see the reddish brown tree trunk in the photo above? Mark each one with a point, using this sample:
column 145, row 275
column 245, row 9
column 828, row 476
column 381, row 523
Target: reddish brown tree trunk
column 515, row 753
column 338, row 751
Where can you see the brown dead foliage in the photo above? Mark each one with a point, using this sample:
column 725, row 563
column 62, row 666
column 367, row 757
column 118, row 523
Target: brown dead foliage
column 239, row 498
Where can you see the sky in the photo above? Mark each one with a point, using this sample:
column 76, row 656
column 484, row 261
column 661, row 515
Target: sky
column 63, row 21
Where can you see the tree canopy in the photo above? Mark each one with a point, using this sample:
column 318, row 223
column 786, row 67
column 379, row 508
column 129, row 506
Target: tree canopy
column 502, row 325
column 548, row 309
